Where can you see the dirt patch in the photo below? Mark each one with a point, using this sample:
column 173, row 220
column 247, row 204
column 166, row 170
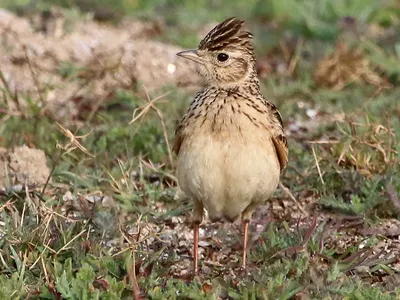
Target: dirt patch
column 22, row 167
column 90, row 62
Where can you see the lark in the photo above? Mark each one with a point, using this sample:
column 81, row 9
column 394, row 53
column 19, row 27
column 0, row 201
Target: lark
column 230, row 144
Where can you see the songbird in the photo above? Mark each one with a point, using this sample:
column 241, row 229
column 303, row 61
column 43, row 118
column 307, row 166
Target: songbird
column 230, row 144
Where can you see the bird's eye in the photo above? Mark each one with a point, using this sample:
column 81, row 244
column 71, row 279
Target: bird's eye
column 222, row 57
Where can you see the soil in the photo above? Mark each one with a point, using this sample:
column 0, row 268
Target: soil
column 67, row 56
column 22, row 167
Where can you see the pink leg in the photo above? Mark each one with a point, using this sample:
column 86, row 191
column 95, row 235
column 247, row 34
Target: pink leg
column 197, row 217
column 245, row 229
column 195, row 247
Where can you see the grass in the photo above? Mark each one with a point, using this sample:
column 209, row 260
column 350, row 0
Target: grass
column 111, row 224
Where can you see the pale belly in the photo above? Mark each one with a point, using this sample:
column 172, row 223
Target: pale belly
column 228, row 174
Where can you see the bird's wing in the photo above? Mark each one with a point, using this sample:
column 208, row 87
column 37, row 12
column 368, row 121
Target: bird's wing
column 179, row 134
column 178, row 139
column 278, row 136
column 282, row 150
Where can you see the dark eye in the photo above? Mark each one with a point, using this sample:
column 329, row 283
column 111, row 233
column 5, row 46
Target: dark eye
column 222, row 57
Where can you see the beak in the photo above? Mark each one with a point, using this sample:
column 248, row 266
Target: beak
column 191, row 55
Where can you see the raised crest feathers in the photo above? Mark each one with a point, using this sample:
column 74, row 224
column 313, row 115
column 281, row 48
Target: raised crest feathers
column 227, row 34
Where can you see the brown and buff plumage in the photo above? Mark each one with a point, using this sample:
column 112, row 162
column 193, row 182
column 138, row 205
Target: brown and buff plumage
column 230, row 144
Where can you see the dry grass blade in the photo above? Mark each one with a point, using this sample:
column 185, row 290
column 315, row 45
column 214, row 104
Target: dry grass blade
column 345, row 66
column 133, row 280
column 356, row 259
column 70, row 242
column 310, row 231
column 367, row 146
column 34, row 77
column 7, row 205
column 74, row 143
column 144, row 110
column 317, row 164
column 13, row 96
column 290, row 195
column 295, row 58
column 151, row 166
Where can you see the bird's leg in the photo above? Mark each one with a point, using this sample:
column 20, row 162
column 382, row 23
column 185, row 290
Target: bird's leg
column 246, row 216
column 197, row 218
column 195, row 247
column 245, row 236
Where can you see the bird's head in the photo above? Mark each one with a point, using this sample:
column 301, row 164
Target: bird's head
column 225, row 56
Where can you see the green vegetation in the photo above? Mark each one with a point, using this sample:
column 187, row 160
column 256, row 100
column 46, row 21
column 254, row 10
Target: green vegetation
column 113, row 225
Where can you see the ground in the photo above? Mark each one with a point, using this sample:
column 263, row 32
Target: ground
column 91, row 92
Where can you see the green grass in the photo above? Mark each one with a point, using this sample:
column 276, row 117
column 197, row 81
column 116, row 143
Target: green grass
column 58, row 245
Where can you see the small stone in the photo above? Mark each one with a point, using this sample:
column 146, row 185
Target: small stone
column 204, row 244
column 94, row 198
column 108, row 202
column 68, row 196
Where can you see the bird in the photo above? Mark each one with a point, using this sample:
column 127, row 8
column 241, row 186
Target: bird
column 230, row 145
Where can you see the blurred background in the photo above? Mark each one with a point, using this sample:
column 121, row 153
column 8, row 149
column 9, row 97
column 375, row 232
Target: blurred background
column 91, row 93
